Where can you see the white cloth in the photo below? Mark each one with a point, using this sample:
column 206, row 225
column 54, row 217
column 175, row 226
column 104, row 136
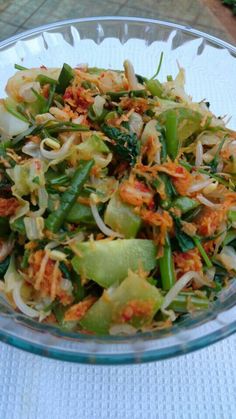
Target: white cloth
column 200, row 385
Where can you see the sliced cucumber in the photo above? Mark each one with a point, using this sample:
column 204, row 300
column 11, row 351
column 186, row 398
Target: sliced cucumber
column 121, row 217
column 108, row 262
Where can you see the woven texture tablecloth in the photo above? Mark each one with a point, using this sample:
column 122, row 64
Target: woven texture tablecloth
column 199, row 385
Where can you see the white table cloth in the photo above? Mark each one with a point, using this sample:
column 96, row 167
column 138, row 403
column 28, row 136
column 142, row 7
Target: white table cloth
column 200, row 385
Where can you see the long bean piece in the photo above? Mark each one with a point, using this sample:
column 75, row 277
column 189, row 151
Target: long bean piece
column 167, row 267
column 202, row 252
column 56, row 219
column 183, row 300
column 172, row 142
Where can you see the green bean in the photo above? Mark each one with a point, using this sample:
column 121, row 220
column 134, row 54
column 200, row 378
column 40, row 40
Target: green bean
column 58, row 179
column 56, row 219
column 172, row 141
column 181, row 302
column 202, row 252
column 42, row 79
column 129, row 93
column 65, row 77
column 138, row 93
column 167, row 267
column 185, row 204
column 20, row 67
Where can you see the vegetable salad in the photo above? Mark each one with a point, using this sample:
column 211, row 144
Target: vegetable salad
column 117, row 199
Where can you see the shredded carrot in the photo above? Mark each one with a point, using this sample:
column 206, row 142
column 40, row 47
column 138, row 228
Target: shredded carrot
column 135, row 308
column 187, row 261
column 162, row 220
column 135, row 193
column 8, row 206
column 77, row 311
column 45, row 276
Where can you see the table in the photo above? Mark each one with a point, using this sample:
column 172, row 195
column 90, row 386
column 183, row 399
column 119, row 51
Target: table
column 201, row 385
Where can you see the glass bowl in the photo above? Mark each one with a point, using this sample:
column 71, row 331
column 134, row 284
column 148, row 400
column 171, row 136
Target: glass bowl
column 211, row 73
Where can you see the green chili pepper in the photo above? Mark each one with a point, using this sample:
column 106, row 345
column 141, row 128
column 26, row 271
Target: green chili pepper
column 167, row 266
column 65, row 77
column 56, row 219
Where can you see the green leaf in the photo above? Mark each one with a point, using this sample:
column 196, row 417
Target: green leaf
column 185, row 242
column 125, row 145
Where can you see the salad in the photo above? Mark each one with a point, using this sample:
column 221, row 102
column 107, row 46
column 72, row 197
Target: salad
column 117, row 199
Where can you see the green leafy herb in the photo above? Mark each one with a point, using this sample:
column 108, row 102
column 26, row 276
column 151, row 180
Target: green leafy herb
column 185, row 242
column 125, row 145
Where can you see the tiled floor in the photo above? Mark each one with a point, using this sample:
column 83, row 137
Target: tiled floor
column 19, row 15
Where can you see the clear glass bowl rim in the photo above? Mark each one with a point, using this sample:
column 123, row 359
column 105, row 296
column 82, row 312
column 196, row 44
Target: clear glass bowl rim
column 118, row 358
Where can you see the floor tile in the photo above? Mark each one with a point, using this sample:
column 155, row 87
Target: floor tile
column 6, row 30
column 63, row 9
column 18, row 12
column 136, row 12
column 181, row 10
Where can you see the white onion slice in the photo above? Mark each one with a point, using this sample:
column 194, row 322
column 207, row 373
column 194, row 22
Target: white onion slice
column 6, row 248
column 228, row 257
column 199, row 185
column 98, row 105
column 23, row 307
column 60, row 154
column 179, row 285
column 210, row 273
column 100, row 223
column 208, row 203
column 130, row 75
column 26, row 92
column 136, row 123
column 199, row 154
column 32, row 149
